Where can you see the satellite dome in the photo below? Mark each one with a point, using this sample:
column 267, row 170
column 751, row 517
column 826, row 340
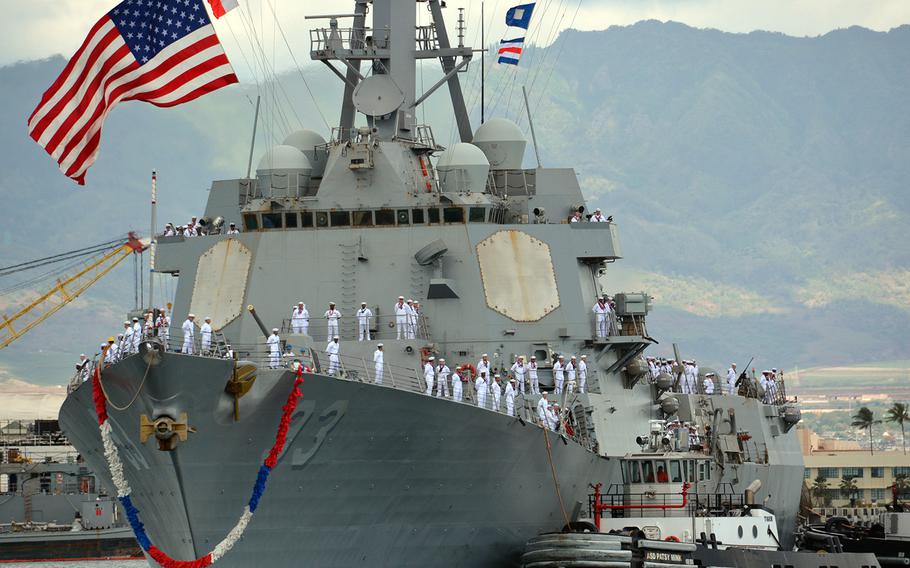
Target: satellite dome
column 502, row 142
column 283, row 157
column 463, row 168
column 312, row 144
column 283, row 171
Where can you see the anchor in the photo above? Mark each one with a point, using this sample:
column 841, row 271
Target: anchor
column 165, row 429
column 240, row 383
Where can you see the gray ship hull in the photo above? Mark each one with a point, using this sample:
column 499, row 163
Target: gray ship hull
column 370, row 475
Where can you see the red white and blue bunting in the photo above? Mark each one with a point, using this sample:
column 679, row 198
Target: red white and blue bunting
column 132, row 513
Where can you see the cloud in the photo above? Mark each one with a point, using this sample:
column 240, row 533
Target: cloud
column 22, row 399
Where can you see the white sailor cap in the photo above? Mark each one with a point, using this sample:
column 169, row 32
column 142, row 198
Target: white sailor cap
column 126, row 322
column 135, row 319
column 191, row 315
column 299, row 302
column 484, row 355
column 496, row 376
column 331, row 303
column 562, row 356
column 274, row 329
column 584, row 356
column 104, row 344
column 379, row 345
column 573, row 357
column 441, row 359
column 335, row 337
column 208, row 318
column 410, row 301
column 363, row 303
column 534, row 357
column 431, row 358
column 597, row 210
column 82, row 354
column 512, row 380
column 401, row 297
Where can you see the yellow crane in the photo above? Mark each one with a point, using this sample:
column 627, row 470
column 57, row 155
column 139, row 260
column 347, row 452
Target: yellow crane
column 65, row 291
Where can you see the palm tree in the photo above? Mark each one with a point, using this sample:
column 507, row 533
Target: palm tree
column 900, row 413
column 849, row 489
column 819, row 489
column 864, row 419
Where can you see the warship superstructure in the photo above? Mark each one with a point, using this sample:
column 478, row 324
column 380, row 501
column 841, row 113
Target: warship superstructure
column 382, row 474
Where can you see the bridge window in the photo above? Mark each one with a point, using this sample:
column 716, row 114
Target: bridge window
column 661, row 474
column 271, row 220
column 634, row 472
column 453, row 215
column 340, row 218
column 433, row 215
column 385, row 217
column 675, row 472
column 417, row 216
column 403, row 217
column 306, row 219
column 250, row 222
column 363, row 218
column 647, row 470
column 690, row 471
column 477, row 214
column 290, row 220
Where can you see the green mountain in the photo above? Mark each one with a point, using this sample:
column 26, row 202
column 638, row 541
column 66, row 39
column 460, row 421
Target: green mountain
column 759, row 181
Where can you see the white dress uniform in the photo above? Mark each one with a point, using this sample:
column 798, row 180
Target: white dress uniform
column 483, row 367
column 519, row 370
column 332, row 351
column 300, row 320
column 731, row 381
column 442, row 380
column 412, row 321
column 457, row 394
column 571, row 383
column 206, row 333
column 332, row 316
column 273, row 343
column 601, row 312
column 401, row 319
column 363, row 323
column 709, row 385
column 532, row 377
column 652, row 366
column 137, row 336
column 510, row 399
column 480, row 388
column 496, row 391
column 552, row 419
column 598, row 217
column 689, row 380
column 378, row 365
column 429, row 374
column 188, row 336
column 542, row 411
column 582, row 375
column 126, row 344
column 559, row 376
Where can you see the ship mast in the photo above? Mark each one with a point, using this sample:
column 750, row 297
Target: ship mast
column 386, row 90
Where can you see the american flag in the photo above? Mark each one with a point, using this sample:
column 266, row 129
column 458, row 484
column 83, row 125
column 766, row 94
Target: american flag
column 164, row 52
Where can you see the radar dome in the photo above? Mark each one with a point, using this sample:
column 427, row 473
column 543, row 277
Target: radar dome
column 312, row 144
column 502, row 142
column 283, row 171
column 463, row 168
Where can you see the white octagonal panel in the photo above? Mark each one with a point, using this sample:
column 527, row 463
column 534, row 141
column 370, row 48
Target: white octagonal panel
column 517, row 274
column 221, row 277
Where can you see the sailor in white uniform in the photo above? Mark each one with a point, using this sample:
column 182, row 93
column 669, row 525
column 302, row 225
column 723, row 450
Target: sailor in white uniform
column 496, row 391
column 164, row 325
column 300, row 318
column 542, row 405
column 442, row 379
column 553, row 417
column 582, row 373
column 126, row 341
column 598, row 217
column 205, row 331
column 518, row 371
column 731, row 379
column 412, row 319
column 401, row 318
column 415, row 321
column 363, row 322
column 189, row 332
column 571, row 375
column 82, row 368
column 429, row 375
column 332, row 316
column 332, row 350
column 483, row 366
column 233, row 230
column 601, row 312
column 457, row 387
column 111, row 355
column 510, row 397
column 137, row 335
column 709, row 383
column 559, row 376
column 532, row 375
column 274, row 346
column 481, row 389
column 378, row 364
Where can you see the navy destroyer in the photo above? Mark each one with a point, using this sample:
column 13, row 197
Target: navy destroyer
column 375, row 472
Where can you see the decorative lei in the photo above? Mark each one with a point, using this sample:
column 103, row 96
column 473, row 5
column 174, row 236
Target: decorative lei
column 132, row 513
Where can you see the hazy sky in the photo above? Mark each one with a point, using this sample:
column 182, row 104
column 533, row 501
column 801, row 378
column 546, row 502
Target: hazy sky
column 34, row 29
